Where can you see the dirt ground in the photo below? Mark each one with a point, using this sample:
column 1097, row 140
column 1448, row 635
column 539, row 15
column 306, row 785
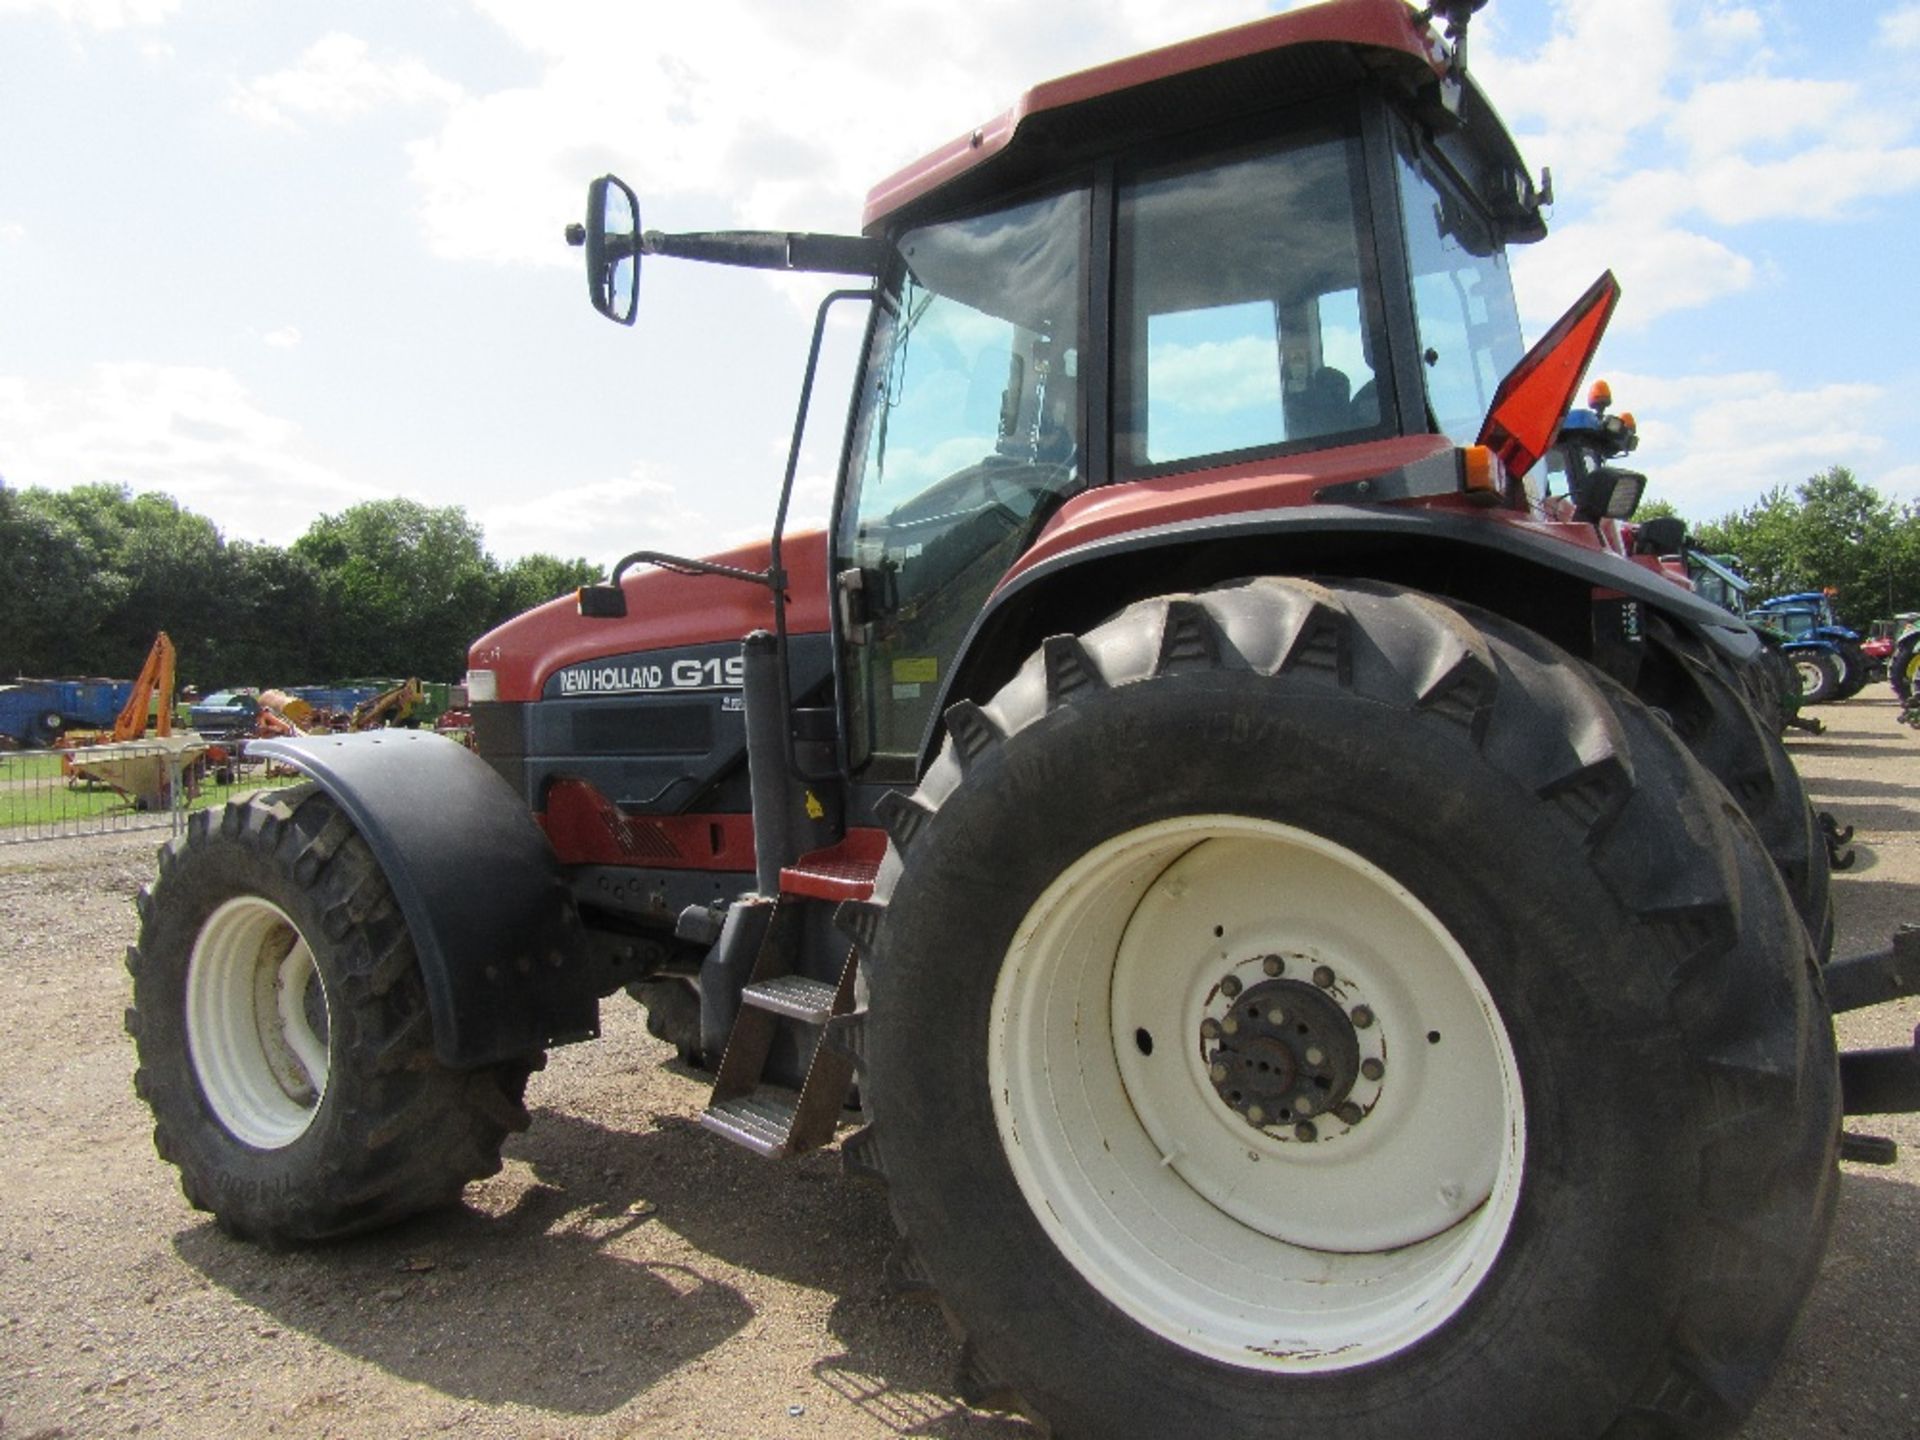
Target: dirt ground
column 628, row 1274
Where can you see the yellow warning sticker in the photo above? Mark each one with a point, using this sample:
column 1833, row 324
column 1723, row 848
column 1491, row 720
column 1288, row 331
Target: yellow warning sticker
column 815, row 810
column 916, row 670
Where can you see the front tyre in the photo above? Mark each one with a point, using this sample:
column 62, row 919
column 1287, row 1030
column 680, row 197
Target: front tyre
column 285, row 1046
column 1819, row 674
column 1292, row 1004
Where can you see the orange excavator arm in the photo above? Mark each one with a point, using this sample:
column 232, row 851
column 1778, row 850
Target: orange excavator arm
column 155, row 678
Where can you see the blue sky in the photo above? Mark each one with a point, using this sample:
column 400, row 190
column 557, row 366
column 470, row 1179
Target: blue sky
column 276, row 259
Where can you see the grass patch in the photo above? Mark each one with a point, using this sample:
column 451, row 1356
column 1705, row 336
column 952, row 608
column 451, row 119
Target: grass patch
column 35, row 795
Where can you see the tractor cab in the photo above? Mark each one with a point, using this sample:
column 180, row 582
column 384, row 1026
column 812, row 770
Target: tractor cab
column 1246, row 273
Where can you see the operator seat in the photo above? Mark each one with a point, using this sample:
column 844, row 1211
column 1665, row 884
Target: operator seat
column 1320, row 406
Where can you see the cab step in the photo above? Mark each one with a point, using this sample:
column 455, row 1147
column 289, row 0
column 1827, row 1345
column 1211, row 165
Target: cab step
column 794, row 996
column 761, row 1121
column 747, row 1107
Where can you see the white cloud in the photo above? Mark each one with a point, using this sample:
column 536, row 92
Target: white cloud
column 285, row 338
column 742, row 111
column 1661, row 268
column 191, row 432
column 12, row 232
column 1901, row 28
column 575, row 520
column 1725, row 117
column 1668, row 128
column 1822, row 183
column 337, row 79
column 1712, row 443
column 97, row 14
column 1902, row 482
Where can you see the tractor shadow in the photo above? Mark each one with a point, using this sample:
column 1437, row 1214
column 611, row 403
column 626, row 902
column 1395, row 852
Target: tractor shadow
column 1853, row 1365
column 629, row 1256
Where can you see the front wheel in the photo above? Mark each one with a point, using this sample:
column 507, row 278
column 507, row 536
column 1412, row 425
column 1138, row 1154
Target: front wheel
column 1290, row 1004
column 1819, row 676
column 285, row 1046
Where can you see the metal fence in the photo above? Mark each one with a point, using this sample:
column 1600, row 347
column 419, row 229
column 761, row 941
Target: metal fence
column 132, row 785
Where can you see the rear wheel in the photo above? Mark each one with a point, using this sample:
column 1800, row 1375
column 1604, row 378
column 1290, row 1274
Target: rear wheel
column 1903, row 665
column 1335, row 1005
column 284, row 1041
column 1855, row 671
column 1710, row 705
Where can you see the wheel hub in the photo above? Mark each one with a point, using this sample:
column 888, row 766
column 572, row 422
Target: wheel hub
column 1285, row 1052
column 1292, row 1047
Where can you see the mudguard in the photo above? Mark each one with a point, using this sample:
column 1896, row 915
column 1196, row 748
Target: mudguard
column 1298, row 539
column 475, row 878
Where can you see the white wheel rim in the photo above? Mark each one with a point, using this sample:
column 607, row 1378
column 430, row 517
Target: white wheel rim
column 1244, row 1243
column 1810, row 677
column 257, row 1023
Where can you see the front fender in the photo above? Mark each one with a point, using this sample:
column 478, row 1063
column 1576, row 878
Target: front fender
column 476, row 880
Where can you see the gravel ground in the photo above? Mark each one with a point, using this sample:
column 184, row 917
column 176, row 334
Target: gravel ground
column 628, row 1274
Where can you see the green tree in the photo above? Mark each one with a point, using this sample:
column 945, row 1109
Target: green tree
column 52, row 600
column 1832, row 532
column 273, row 619
column 535, row 579
column 404, row 587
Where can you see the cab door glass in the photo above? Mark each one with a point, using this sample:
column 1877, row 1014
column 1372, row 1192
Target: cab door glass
column 968, row 434
column 1245, row 314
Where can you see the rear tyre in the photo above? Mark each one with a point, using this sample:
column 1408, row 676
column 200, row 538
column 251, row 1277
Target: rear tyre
column 1712, row 713
column 1903, row 664
column 1572, row 1163
column 285, row 1045
column 1819, row 676
column 1855, row 671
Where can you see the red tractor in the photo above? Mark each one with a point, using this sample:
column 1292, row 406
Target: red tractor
column 1317, row 938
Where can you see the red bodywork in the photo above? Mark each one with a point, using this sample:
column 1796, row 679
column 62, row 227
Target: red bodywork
column 1381, row 24
column 663, row 609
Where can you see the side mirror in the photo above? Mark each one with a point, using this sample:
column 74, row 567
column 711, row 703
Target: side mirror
column 1607, row 493
column 612, row 239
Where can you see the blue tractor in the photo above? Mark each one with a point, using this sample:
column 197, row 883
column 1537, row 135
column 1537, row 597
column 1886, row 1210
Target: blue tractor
column 1814, row 632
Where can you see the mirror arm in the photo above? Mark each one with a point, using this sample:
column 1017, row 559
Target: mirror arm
column 773, row 250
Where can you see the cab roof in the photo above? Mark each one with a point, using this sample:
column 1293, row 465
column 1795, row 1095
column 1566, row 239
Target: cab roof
column 1283, row 58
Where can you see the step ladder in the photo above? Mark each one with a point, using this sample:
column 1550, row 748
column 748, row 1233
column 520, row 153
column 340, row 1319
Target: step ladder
column 770, row 1119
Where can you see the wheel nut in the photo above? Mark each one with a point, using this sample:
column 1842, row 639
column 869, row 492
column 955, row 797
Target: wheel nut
column 1372, row 1069
column 1303, row 1104
column 1351, row 1113
column 1273, row 965
column 1218, row 1072
column 1362, row 1017
column 1323, row 976
column 1316, row 1056
column 1305, row 1131
column 1256, row 1115
column 1230, row 986
column 1209, row 1029
column 1230, row 1026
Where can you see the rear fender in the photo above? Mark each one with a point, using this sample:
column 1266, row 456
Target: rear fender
column 1543, row 582
column 499, row 943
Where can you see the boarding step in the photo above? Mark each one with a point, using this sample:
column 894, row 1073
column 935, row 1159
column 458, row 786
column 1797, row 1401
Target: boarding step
column 843, row 871
column 795, row 996
column 761, row 1121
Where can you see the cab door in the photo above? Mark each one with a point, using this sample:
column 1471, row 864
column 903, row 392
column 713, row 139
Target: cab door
column 969, row 432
